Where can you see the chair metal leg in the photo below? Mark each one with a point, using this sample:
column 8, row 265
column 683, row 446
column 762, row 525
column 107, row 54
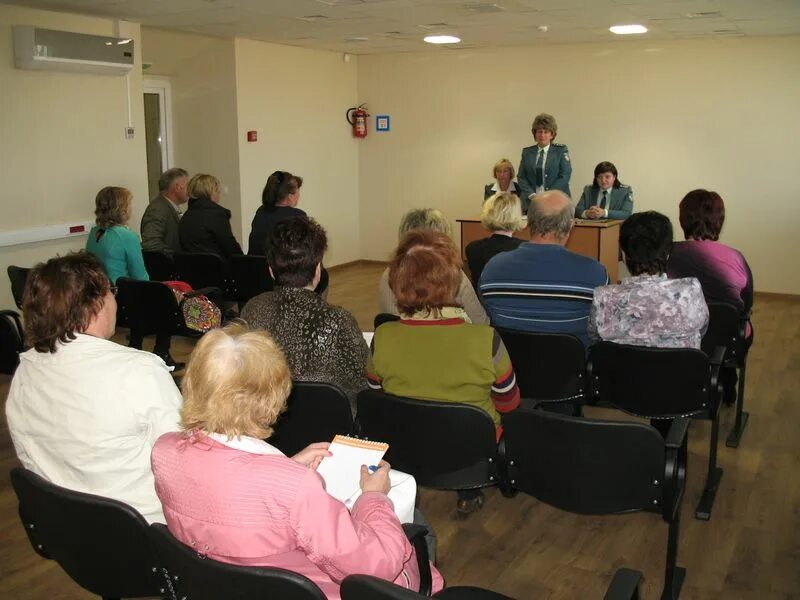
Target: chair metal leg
column 714, row 476
column 674, row 575
column 735, row 436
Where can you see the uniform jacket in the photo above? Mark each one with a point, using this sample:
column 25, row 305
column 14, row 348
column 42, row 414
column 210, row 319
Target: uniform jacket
column 160, row 227
column 557, row 171
column 489, row 189
column 206, row 227
column 619, row 204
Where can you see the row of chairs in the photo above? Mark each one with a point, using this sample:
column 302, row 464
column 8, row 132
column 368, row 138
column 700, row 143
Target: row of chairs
column 107, row 548
column 581, row 465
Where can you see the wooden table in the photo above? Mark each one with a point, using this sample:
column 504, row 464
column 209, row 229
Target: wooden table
column 596, row 239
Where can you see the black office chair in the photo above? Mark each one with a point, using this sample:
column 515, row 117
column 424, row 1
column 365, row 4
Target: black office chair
column 250, row 275
column 205, row 270
column 150, row 307
column 10, row 341
column 159, row 265
column 727, row 327
column 662, row 383
column 315, row 412
column 601, row 467
column 188, row 575
column 624, row 586
column 102, row 544
column 444, row 445
column 18, row 277
column 382, row 318
column 550, row 367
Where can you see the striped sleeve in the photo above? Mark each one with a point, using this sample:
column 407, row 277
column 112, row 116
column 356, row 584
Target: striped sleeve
column 505, row 392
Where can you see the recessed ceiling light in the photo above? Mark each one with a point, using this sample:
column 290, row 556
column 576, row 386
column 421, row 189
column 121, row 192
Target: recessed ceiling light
column 627, row 29
column 442, row 39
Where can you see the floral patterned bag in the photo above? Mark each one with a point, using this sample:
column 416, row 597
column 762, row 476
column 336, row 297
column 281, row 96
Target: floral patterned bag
column 199, row 313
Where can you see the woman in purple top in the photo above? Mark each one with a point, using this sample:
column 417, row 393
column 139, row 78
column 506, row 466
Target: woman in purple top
column 722, row 271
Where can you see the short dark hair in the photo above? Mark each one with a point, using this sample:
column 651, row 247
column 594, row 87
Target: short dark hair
column 170, row 175
column 702, row 214
column 606, row 167
column 425, row 272
column 279, row 186
column 295, row 249
column 61, row 297
column 646, row 240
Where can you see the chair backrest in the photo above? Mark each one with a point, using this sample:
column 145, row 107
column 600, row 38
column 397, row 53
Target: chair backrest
column 196, row 577
column 251, row 276
column 149, row 306
column 315, row 412
column 366, row 587
column 205, row 269
column 650, row 382
column 101, row 543
column 724, row 329
column 444, row 445
column 10, row 341
column 550, row 367
column 582, row 465
column 18, row 277
column 160, row 266
column 382, row 318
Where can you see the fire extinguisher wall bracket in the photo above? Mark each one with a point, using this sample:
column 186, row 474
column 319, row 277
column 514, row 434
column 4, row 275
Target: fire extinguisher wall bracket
column 357, row 117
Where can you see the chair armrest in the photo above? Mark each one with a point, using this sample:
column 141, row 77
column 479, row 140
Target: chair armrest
column 416, row 535
column 677, row 432
column 718, row 356
column 625, row 585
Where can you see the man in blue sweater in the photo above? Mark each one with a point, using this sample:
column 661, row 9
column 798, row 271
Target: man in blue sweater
column 542, row 286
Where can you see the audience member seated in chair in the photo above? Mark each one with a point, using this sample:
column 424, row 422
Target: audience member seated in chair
column 429, row 219
column 119, row 250
column 162, row 216
column 542, row 286
column 647, row 309
column 722, row 271
column 433, row 352
column 502, row 216
column 239, row 500
column 321, row 342
column 84, row 412
column 206, row 226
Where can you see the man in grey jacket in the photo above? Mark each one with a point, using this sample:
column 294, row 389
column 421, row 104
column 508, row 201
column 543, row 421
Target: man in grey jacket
column 161, row 218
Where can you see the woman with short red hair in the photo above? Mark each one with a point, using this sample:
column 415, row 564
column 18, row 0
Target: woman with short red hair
column 433, row 352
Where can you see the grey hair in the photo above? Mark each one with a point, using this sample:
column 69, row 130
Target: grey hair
column 545, row 121
column 168, row 176
column 424, row 218
column 543, row 222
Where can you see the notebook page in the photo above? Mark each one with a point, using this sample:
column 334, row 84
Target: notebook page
column 342, row 471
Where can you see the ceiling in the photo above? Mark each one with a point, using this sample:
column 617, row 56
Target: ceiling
column 381, row 26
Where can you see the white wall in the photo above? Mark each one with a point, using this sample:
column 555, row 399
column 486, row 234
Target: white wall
column 202, row 74
column 62, row 139
column 296, row 99
column 720, row 114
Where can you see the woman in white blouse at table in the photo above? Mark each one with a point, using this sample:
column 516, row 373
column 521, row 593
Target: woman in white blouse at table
column 503, row 174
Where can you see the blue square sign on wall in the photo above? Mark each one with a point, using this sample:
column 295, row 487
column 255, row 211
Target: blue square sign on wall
column 382, row 123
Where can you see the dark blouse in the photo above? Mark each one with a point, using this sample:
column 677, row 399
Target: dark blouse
column 480, row 251
column 321, row 342
column 264, row 223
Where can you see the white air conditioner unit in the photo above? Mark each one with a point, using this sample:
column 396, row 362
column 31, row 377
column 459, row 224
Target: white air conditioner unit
column 37, row 48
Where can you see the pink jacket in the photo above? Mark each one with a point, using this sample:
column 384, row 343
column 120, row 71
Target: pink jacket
column 255, row 509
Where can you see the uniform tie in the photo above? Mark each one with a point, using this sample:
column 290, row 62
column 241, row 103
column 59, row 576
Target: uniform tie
column 540, row 168
column 603, row 199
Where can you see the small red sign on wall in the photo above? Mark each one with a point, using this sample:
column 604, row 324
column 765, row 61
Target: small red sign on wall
column 252, row 136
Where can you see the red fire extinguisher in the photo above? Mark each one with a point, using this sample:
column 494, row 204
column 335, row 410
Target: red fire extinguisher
column 357, row 117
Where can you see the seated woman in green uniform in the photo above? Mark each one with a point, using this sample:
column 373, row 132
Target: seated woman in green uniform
column 607, row 197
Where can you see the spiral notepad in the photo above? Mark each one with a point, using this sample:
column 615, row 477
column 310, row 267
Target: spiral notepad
column 342, row 471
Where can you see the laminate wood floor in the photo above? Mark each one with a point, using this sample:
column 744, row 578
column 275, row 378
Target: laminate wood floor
column 750, row 549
